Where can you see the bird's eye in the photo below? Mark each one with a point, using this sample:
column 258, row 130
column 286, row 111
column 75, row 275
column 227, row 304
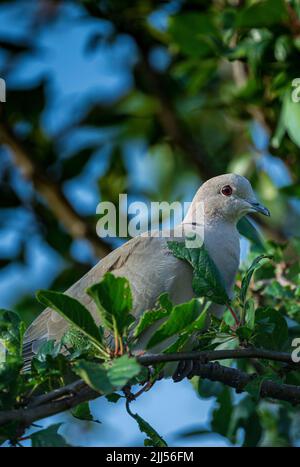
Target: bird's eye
column 226, row 190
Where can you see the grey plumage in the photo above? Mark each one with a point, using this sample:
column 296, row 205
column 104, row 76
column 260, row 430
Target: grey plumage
column 152, row 269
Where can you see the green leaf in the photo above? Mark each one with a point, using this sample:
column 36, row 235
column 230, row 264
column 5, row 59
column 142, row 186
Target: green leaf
column 226, row 342
column 250, row 314
column 291, row 117
column 110, row 376
column 72, row 310
column 222, row 414
column 176, row 346
column 291, row 190
column 262, row 14
column 180, row 318
column 207, row 281
column 271, row 330
column 48, row 437
column 247, row 229
column 195, row 34
column 48, row 348
column 278, row 291
column 207, row 389
column 164, row 302
column 114, row 301
column 122, row 369
column 11, row 332
column 149, row 317
column 194, row 432
column 113, row 397
column 257, row 263
column 11, row 361
column 94, row 375
column 82, row 412
column 153, row 438
column 244, row 416
column 244, row 332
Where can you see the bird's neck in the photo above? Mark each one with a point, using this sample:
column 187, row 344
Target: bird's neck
column 221, row 239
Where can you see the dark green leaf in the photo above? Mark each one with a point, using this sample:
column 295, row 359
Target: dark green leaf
column 153, row 438
column 222, row 414
column 82, row 412
column 244, row 416
column 180, row 318
column 163, row 310
column 257, row 263
column 94, row 375
column 271, row 330
column 11, row 332
column 262, row 14
column 244, row 332
column 194, row 33
column 113, row 397
column 110, row 376
column 114, row 301
column 48, row 437
column 250, row 314
column 291, row 190
column 291, row 118
column 72, row 310
column 207, row 281
column 121, row 370
column 247, row 229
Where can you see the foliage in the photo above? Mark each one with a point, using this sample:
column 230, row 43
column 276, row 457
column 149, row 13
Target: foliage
column 210, row 88
column 109, row 369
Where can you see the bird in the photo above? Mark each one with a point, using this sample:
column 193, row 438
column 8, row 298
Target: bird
column 151, row 268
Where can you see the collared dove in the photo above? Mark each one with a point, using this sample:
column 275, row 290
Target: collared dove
column 151, row 268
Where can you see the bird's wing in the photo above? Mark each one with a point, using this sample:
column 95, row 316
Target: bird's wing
column 145, row 261
column 50, row 325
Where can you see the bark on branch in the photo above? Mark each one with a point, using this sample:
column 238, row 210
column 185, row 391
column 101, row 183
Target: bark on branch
column 73, row 394
column 211, row 355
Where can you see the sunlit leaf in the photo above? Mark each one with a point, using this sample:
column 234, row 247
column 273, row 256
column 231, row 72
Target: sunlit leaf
column 114, row 301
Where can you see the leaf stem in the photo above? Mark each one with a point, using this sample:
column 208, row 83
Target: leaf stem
column 236, row 319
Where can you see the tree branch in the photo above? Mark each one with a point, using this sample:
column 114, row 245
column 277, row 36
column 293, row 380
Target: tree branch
column 75, row 393
column 210, row 355
column 67, row 397
column 77, row 226
column 238, row 380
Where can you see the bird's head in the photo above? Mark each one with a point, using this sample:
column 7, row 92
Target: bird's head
column 228, row 196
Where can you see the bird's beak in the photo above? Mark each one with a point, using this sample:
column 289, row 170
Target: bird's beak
column 259, row 208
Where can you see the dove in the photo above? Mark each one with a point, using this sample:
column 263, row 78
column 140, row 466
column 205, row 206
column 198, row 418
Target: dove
column 152, row 269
